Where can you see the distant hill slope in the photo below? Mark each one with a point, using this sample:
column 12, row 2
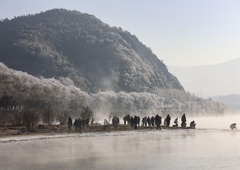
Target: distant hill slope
column 96, row 57
column 232, row 100
column 210, row 80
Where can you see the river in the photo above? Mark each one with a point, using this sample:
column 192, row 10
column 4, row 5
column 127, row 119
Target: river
column 210, row 148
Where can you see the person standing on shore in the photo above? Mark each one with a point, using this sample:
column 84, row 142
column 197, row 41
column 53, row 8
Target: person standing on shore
column 184, row 120
column 135, row 120
column 168, row 119
column 69, row 124
column 138, row 120
column 76, row 125
column 158, row 121
column 80, row 125
column 152, row 120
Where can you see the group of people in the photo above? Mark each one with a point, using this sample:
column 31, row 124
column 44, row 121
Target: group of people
column 135, row 122
column 132, row 121
column 78, row 124
column 156, row 121
column 183, row 122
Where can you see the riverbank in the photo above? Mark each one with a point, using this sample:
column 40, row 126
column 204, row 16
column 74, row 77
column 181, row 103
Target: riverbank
column 61, row 129
column 41, row 129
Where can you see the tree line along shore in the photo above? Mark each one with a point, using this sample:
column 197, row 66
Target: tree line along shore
column 87, row 125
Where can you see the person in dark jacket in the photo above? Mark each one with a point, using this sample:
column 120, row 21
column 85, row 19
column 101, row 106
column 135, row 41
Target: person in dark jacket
column 80, row 125
column 184, row 120
column 69, row 124
column 131, row 121
column 175, row 122
column 158, row 122
column 76, row 125
column 138, row 120
column 135, row 120
column 193, row 124
column 168, row 119
column 233, row 126
column 152, row 120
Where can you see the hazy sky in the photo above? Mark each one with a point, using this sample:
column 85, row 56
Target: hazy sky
column 179, row 32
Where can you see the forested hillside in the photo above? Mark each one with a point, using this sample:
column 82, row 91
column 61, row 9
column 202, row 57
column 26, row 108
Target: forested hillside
column 60, row 43
column 66, row 60
column 19, row 88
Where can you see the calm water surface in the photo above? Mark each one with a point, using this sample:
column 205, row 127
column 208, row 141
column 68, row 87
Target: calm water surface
column 209, row 149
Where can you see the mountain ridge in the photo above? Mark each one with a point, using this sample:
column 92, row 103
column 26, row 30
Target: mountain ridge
column 210, row 80
column 61, row 43
column 63, row 59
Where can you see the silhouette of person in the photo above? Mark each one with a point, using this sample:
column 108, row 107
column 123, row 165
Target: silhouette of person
column 192, row 124
column 69, row 124
column 158, row 121
column 233, row 126
column 76, row 125
column 135, row 120
column 152, row 120
column 168, row 119
column 80, row 125
column 184, row 120
column 176, row 122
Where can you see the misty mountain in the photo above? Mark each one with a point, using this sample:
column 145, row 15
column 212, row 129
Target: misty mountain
column 94, row 56
column 210, row 80
column 232, row 100
column 63, row 60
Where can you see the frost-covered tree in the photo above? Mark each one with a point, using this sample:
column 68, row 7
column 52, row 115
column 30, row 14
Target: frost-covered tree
column 62, row 117
column 48, row 116
column 30, row 118
column 86, row 113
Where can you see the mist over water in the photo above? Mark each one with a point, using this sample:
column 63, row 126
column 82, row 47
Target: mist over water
column 216, row 122
column 203, row 122
column 212, row 146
